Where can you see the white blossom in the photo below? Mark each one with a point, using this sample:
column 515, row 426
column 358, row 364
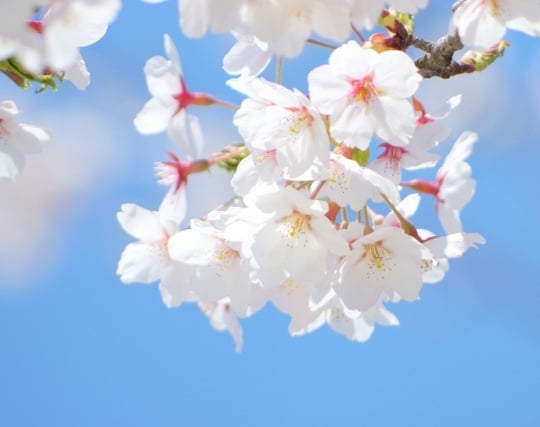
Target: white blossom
column 364, row 93
column 482, row 23
column 381, row 261
column 166, row 110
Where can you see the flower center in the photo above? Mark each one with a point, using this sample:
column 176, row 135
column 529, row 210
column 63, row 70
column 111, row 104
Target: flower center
column 363, row 90
column 299, row 120
column 379, row 260
column 295, row 228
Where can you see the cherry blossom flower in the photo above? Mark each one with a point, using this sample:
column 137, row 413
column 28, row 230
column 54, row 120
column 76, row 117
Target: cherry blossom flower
column 453, row 187
column 70, row 24
column 147, row 260
column 483, row 23
column 256, row 169
column 16, row 140
column 166, row 110
column 303, row 163
column 174, row 174
column 283, row 121
column 384, row 260
column 429, row 132
column 352, row 185
column 14, row 17
column 218, row 266
column 53, row 42
column 290, row 238
column 364, row 93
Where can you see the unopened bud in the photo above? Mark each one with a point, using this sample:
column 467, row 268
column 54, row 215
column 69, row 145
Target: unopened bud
column 481, row 60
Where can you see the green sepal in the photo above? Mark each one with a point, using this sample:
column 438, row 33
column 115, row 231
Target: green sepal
column 24, row 79
column 360, row 156
column 238, row 152
column 481, row 60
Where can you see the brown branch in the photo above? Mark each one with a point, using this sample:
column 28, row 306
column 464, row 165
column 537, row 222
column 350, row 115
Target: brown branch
column 438, row 60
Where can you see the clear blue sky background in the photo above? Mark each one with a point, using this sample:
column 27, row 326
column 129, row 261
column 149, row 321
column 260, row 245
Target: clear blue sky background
column 78, row 348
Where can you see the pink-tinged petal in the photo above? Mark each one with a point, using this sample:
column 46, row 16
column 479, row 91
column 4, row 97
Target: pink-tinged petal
column 476, row 25
column 140, row 263
column 329, row 237
column 365, row 13
column 331, row 20
column 327, row 92
column 154, row 117
column 353, row 61
column 141, row 223
column 449, row 219
column 162, row 79
column 396, row 75
column 185, row 131
column 246, row 297
column 460, row 151
column 354, row 126
column 192, row 247
column 354, row 290
column 291, row 41
column 172, row 53
column 246, row 58
column 175, row 286
column 395, row 121
column 407, row 207
column 61, row 53
column 194, row 17
column 27, row 138
column 524, row 16
column 173, row 206
column 11, row 161
column 454, row 245
column 78, row 74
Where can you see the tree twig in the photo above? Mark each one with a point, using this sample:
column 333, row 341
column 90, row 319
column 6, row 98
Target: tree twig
column 438, row 60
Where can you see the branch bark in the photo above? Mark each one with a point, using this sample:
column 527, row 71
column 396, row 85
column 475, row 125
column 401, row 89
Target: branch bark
column 438, row 60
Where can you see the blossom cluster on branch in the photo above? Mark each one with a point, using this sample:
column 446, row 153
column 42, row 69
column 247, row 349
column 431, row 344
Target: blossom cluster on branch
column 322, row 222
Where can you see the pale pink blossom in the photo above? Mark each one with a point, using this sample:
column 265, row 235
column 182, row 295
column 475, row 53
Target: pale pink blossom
column 365, row 93
column 147, row 259
column 429, row 132
column 290, row 237
column 483, row 23
column 382, row 261
column 277, row 119
column 453, row 187
column 166, row 110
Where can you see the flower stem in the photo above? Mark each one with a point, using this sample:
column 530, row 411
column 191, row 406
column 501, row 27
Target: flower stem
column 279, row 70
column 321, row 44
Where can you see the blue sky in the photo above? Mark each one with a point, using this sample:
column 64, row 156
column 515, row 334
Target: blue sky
column 78, row 348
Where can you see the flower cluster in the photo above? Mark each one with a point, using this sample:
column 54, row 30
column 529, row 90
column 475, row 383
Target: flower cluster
column 325, row 182
column 322, row 222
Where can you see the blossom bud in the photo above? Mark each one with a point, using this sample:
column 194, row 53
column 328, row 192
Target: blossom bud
column 481, row 60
